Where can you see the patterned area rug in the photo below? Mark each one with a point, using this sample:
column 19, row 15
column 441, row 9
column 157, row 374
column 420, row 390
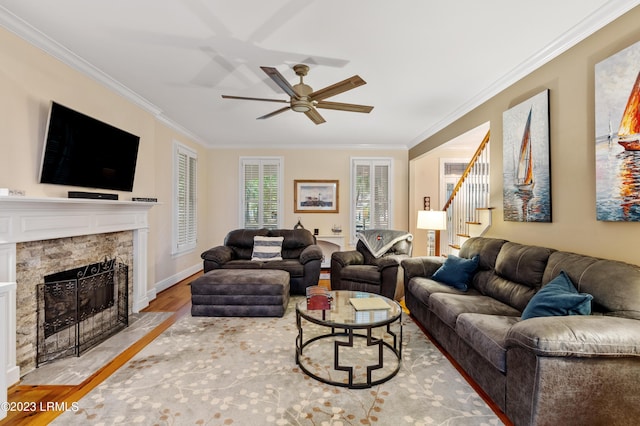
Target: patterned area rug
column 242, row 371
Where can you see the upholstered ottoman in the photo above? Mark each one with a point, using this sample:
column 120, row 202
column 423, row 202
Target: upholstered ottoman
column 240, row 293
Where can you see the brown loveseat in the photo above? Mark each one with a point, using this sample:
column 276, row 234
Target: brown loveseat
column 301, row 256
column 551, row 370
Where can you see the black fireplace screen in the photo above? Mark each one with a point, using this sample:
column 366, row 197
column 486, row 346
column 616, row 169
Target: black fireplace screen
column 81, row 307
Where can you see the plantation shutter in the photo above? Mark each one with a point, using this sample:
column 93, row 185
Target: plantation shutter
column 371, row 206
column 185, row 221
column 380, row 217
column 363, row 197
column 251, row 196
column 261, row 187
column 270, row 195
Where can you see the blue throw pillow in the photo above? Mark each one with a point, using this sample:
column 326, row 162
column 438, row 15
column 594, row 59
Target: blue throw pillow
column 457, row 271
column 558, row 297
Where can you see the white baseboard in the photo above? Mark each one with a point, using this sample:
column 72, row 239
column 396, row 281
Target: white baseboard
column 172, row 280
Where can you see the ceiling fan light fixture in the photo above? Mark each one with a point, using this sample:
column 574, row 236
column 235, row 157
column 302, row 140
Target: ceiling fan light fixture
column 300, row 105
column 302, row 98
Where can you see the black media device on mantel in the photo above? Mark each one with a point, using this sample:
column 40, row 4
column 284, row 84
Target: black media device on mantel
column 92, row 195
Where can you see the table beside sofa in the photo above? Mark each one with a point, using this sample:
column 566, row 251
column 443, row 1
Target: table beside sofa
column 569, row 370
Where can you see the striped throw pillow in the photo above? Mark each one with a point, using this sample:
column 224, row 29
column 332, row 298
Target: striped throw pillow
column 267, row 248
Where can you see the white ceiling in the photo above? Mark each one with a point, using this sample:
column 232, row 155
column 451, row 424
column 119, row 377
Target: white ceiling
column 425, row 62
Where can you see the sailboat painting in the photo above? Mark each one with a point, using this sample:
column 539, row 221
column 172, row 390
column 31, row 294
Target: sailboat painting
column 526, row 168
column 617, row 136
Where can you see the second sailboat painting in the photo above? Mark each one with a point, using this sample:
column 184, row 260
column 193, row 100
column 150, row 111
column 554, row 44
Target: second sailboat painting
column 617, row 134
column 526, row 168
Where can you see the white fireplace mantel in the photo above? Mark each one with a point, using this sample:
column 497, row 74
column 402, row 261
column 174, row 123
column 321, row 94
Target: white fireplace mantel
column 25, row 219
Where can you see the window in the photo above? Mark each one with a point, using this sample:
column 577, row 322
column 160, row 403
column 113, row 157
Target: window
column 451, row 170
column 370, row 194
column 184, row 195
column 261, row 189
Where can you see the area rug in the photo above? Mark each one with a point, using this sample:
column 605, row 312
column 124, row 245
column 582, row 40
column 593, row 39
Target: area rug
column 242, row 371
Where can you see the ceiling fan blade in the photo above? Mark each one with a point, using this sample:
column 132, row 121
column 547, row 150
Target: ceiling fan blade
column 275, row 75
column 315, row 116
column 335, row 89
column 254, row 99
column 344, row 107
column 276, row 112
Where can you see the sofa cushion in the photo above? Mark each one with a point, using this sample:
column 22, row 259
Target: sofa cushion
column 517, row 276
column 422, row 288
column 295, row 241
column 523, row 264
column 449, row 306
column 361, row 273
column 266, row 249
column 487, row 335
column 614, row 285
column 558, row 297
column 488, row 248
column 292, row 266
column 241, row 241
column 457, row 271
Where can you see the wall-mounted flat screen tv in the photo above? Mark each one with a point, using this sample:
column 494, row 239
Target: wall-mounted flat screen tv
column 82, row 151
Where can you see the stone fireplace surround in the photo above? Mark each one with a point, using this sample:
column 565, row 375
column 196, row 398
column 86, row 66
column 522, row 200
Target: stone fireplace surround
column 25, row 219
column 37, row 259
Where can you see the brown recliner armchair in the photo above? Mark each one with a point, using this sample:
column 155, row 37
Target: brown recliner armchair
column 374, row 266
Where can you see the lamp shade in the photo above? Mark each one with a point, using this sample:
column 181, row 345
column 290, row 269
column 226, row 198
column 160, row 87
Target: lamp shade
column 432, row 219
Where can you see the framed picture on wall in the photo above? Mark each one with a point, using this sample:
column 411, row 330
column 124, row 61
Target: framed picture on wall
column 617, row 136
column 525, row 156
column 315, row 196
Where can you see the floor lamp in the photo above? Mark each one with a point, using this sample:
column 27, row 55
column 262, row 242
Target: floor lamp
column 434, row 221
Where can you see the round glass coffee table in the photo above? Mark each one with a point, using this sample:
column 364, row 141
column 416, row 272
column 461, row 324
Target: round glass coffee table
column 346, row 347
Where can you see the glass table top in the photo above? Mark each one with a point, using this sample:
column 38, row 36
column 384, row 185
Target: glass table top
column 342, row 312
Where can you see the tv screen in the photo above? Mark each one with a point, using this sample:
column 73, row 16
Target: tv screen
column 82, row 151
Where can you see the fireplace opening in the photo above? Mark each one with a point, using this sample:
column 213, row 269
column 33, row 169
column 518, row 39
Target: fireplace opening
column 81, row 307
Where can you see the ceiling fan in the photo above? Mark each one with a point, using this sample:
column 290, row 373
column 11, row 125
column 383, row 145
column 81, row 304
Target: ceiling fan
column 304, row 99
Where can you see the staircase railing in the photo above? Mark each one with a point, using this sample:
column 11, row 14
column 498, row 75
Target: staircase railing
column 470, row 194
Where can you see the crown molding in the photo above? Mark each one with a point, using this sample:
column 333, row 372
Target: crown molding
column 333, row 147
column 184, row 131
column 594, row 22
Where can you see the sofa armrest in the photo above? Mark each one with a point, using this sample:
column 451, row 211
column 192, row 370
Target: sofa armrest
column 577, row 336
column 393, row 260
column 423, row 266
column 345, row 258
column 312, row 252
column 219, row 254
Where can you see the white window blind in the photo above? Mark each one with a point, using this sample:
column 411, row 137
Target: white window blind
column 371, row 194
column 261, row 186
column 185, row 208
